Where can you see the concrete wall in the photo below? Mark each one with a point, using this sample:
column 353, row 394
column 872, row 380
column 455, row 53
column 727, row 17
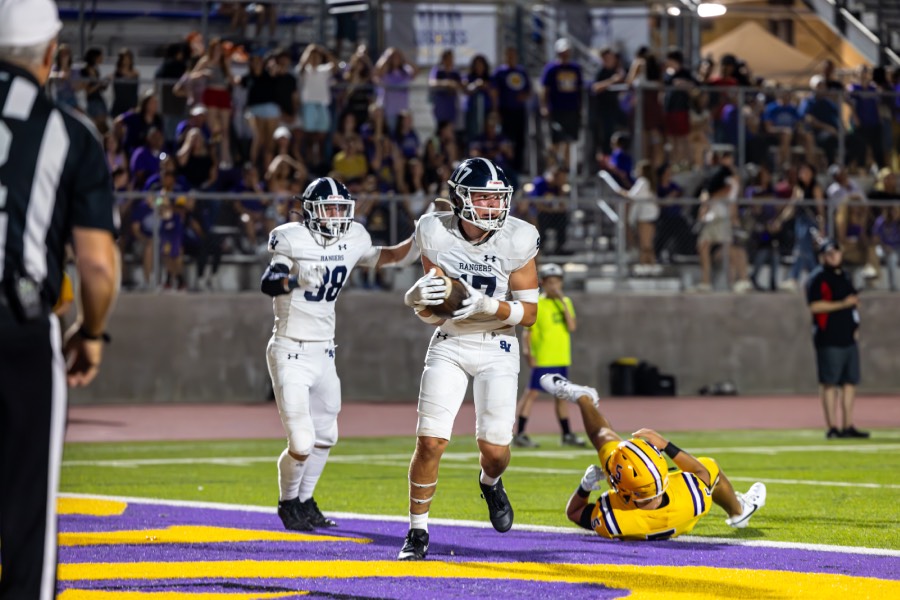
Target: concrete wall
column 211, row 348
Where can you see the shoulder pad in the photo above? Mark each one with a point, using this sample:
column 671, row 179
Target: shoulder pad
column 524, row 240
column 433, row 232
column 283, row 240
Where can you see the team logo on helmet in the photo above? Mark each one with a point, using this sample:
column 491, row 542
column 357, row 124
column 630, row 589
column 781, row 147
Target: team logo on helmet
column 328, row 208
column 492, row 192
column 636, row 468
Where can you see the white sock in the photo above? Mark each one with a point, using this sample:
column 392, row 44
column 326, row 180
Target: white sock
column 315, row 464
column 488, row 480
column 418, row 521
column 290, row 472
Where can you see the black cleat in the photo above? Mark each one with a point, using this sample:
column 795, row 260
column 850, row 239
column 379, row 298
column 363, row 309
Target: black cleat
column 833, row 433
column 853, row 432
column 311, row 511
column 416, row 545
column 499, row 508
column 292, row 515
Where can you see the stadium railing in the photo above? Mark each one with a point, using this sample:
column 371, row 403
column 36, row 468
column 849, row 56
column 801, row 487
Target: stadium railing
column 592, row 236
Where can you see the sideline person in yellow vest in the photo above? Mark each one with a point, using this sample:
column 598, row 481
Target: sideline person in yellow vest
column 548, row 347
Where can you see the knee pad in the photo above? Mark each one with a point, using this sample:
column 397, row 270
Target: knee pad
column 301, row 435
column 327, row 435
column 497, row 435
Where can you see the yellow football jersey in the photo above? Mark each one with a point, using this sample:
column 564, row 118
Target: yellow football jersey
column 686, row 500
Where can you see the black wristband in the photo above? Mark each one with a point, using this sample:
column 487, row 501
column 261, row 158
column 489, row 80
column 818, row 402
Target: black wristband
column 83, row 333
column 583, row 493
column 671, row 450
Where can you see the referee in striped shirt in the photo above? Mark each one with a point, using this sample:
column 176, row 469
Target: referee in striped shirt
column 54, row 189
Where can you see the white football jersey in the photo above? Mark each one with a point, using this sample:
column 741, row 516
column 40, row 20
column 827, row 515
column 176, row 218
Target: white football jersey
column 307, row 313
column 485, row 265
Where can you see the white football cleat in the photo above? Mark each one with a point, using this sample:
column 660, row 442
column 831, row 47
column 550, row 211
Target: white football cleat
column 562, row 388
column 753, row 500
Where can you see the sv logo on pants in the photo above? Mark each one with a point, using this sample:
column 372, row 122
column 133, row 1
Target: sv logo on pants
column 504, row 345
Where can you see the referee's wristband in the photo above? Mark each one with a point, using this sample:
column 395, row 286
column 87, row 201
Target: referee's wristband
column 671, row 450
column 85, row 335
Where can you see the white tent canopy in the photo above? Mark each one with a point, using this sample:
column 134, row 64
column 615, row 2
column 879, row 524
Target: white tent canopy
column 766, row 55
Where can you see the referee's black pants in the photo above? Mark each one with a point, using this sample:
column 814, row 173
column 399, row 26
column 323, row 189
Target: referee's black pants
column 32, row 425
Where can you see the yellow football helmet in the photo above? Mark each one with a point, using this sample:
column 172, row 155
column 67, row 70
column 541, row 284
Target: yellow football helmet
column 637, row 468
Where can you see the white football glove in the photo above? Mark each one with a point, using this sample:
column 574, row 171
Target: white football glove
column 429, row 290
column 592, row 478
column 311, row 275
column 476, row 304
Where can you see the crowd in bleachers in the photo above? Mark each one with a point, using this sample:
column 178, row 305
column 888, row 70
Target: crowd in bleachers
column 225, row 118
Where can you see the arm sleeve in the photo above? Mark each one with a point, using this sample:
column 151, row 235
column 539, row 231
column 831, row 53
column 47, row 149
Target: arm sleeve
column 585, row 521
column 93, row 205
column 272, row 283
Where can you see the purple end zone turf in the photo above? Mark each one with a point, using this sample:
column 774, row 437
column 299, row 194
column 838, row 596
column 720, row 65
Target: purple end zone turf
column 466, row 544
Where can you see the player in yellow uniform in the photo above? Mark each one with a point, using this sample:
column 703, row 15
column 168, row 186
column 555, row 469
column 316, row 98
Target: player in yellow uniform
column 547, row 345
column 646, row 501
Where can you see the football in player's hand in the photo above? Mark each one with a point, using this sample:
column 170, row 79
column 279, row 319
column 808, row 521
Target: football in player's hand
column 456, row 293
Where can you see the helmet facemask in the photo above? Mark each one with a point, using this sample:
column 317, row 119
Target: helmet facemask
column 330, row 216
column 493, row 217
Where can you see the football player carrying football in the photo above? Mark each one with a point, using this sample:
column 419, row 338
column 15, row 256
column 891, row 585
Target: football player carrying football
column 311, row 262
column 493, row 255
column 646, row 500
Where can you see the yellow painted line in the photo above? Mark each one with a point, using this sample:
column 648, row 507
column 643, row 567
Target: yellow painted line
column 106, row 595
column 193, row 534
column 645, row 582
column 93, row 507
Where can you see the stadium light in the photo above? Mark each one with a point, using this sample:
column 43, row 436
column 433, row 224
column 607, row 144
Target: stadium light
column 673, row 11
column 710, row 9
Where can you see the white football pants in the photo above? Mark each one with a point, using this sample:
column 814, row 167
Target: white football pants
column 307, row 391
column 492, row 360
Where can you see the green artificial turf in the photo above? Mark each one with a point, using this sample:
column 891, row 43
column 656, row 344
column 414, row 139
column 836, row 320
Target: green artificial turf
column 368, row 475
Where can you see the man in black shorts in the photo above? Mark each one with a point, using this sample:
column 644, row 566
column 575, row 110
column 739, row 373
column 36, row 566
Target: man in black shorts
column 834, row 304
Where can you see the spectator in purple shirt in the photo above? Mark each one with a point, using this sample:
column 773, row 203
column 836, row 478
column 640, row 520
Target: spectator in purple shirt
column 444, row 85
column 561, row 99
column 865, row 119
column 196, row 119
column 513, row 88
column 145, row 160
column 393, row 74
column 137, row 121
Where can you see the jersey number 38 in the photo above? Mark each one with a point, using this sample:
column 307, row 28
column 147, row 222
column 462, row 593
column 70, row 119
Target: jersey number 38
column 332, row 282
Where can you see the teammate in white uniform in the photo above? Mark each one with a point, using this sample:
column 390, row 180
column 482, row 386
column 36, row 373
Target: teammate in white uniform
column 311, row 262
column 493, row 254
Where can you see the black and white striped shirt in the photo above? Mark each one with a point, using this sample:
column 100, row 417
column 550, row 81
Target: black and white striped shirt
column 53, row 177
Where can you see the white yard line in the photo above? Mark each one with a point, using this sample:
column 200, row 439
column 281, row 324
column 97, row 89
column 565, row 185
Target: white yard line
column 485, row 525
column 383, row 460
column 462, row 456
